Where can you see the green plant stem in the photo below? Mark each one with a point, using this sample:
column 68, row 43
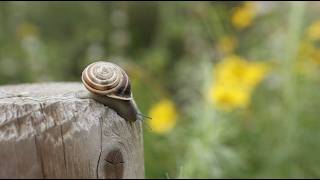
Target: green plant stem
column 290, row 97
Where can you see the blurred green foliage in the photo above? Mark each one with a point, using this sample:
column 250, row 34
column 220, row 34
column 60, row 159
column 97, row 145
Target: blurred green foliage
column 169, row 50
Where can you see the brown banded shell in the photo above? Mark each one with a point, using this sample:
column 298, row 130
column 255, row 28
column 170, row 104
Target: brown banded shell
column 106, row 78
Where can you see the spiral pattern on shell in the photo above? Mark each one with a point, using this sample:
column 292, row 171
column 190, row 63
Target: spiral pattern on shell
column 106, row 78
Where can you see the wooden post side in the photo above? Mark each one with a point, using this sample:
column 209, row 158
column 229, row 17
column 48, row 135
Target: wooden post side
column 46, row 132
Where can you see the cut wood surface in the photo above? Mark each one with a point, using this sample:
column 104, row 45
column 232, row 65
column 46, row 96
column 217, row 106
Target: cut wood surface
column 46, row 132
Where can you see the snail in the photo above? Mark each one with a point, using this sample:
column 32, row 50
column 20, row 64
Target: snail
column 109, row 84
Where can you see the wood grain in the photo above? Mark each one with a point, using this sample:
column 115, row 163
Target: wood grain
column 46, row 132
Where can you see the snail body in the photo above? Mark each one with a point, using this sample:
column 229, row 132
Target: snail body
column 109, row 84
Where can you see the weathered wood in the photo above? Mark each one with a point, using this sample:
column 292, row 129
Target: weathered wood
column 46, row 132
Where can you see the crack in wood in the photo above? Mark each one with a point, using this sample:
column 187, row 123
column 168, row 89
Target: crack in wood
column 113, row 163
column 101, row 129
column 64, row 150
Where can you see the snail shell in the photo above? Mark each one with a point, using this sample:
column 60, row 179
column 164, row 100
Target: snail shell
column 109, row 84
column 106, row 78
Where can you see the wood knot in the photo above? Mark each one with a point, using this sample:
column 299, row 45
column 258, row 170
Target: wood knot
column 112, row 165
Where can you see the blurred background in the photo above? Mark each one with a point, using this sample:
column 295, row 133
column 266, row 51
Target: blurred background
column 232, row 87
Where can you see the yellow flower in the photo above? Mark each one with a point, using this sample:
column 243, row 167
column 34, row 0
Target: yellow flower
column 227, row 44
column 316, row 56
column 243, row 16
column 230, row 69
column 164, row 116
column 228, row 98
column 255, row 73
column 307, row 51
column 235, row 79
column 237, row 71
column 313, row 31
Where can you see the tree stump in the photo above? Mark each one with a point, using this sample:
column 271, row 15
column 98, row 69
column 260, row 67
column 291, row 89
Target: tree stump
column 46, row 132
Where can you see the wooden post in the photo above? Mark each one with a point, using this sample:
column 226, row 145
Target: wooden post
column 46, row 132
